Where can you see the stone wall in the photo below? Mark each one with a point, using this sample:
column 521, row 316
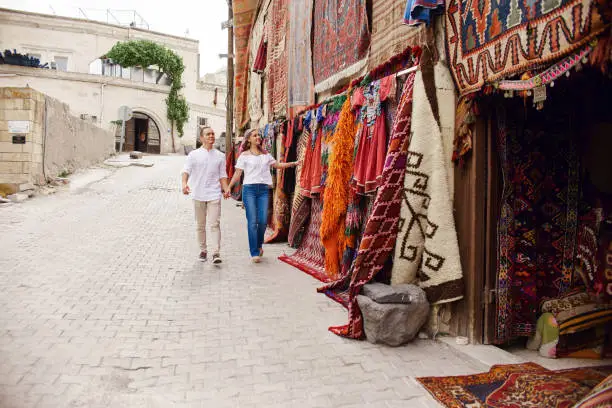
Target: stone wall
column 55, row 140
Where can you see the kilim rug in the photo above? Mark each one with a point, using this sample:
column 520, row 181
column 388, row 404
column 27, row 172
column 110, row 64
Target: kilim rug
column 303, row 138
column 278, row 57
column 537, row 226
column 427, row 252
column 301, row 82
column 516, row 385
column 488, row 41
column 310, row 256
column 255, row 79
column 281, row 214
column 380, row 233
column 390, row 36
column 341, row 39
column 244, row 11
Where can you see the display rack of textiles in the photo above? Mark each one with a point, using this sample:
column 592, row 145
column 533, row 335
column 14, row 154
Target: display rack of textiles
column 346, row 213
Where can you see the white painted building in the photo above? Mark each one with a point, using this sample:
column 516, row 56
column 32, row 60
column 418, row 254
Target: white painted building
column 95, row 89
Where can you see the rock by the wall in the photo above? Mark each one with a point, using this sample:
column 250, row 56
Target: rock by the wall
column 394, row 324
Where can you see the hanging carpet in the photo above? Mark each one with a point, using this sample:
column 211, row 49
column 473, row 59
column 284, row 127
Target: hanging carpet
column 244, row 12
column 427, row 251
column 380, row 233
column 537, row 227
column 310, row 256
column 300, row 206
column 516, row 385
column 390, row 36
column 281, row 213
column 301, row 82
column 488, row 41
column 336, row 194
column 278, row 57
column 259, row 59
column 341, row 38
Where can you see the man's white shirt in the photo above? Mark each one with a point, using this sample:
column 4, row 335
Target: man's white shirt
column 205, row 168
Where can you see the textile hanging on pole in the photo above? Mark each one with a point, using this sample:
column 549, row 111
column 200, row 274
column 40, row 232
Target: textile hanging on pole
column 422, row 11
column 336, row 194
column 278, row 57
column 310, row 256
column 300, row 206
column 310, row 177
column 488, row 41
column 244, row 12
column 301, row 82
column 427, row 250
column 281, row 211
column 258, row 58
column 390, row 36
column 381, row 228
column 537, row 227
column 371, row 141
column 341, row 40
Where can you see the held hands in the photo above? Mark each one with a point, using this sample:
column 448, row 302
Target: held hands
column 227, row 193
column 186, row 189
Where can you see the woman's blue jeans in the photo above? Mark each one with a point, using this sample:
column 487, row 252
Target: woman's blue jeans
column 255, row 198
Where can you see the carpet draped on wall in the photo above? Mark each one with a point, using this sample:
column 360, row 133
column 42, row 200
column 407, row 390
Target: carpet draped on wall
column 340, row 42
column 487, row 41
column 390, row 36
column 244, row 11
column 278, row 57
column 301, row 82
column 257, row 38
column 427, row 252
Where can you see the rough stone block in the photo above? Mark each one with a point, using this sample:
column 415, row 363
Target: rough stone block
column 381, row 293
column 136, row 155
column 394, row 324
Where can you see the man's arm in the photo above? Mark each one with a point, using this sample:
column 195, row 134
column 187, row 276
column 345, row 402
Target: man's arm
column 186, row 189
column 225, row 187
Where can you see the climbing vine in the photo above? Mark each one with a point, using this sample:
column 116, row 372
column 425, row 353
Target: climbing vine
column 144, row 53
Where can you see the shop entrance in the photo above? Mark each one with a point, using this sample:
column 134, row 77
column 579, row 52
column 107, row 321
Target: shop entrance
column 548, row 223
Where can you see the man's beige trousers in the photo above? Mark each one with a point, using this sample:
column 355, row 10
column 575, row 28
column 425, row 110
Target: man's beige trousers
column 210, row 210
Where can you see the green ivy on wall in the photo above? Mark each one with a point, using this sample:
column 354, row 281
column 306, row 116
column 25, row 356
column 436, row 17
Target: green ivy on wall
column 145, row 53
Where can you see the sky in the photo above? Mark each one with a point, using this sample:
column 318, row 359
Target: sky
column 202, row 18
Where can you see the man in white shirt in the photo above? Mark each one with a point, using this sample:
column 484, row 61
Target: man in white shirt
column 204, row 177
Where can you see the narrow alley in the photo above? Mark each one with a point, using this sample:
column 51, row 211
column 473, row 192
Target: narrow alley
column 104, row 304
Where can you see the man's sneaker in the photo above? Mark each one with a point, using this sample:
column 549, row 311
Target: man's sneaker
column 203, row 257
column 217, row 259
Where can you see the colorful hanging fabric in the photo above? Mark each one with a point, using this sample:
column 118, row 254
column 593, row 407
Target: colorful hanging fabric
column 341, row 40
column 427, row 250
column 371, row 140
column 390, row 37
column 327, row 131
column 310, row 256
column 381, row 228
column 537, row 228
column 278, row 57
column 310, row 179
column 281, row 214
column 244, row 12
column 489, row 41
column 301, row 82
column 422, row 11
column 299, row 212
column 259, row 65
column 336, row 195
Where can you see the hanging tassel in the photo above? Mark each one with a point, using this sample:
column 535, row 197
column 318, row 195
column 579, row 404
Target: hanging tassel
column 601, row 56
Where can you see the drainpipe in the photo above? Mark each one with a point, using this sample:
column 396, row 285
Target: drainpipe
column 44, row 152
column 102, row 86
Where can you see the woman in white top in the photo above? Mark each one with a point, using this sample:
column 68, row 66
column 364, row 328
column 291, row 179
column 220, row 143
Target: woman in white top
column 255, row 164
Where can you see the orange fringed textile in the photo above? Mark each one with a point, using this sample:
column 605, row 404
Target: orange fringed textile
column 335, row 198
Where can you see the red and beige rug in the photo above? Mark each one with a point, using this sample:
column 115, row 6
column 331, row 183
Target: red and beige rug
column 516, row 385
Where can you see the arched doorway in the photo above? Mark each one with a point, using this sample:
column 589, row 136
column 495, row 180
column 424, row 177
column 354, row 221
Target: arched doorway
column 141, row 134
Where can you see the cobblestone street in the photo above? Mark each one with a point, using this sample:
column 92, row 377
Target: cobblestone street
column 104, row 304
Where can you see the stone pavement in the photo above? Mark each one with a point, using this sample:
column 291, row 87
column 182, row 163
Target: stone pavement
column 103, row 304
